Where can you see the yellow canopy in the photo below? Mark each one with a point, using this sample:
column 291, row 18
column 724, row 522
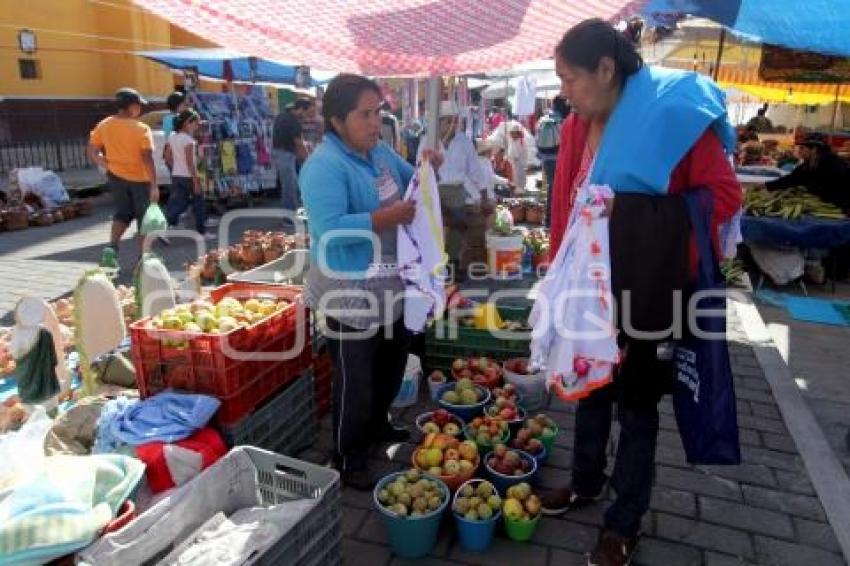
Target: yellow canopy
column 739, row 69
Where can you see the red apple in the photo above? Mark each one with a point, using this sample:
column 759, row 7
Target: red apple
column 581, row 366
column 441, row 417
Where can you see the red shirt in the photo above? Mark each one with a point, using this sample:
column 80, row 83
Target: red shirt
column 705, row 165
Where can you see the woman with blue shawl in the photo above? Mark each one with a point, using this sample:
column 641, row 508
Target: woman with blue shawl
column 649, row 134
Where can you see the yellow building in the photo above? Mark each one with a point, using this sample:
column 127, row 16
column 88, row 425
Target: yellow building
column 84, row 49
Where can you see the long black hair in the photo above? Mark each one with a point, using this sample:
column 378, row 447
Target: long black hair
column 585, row 44
column 342, row 96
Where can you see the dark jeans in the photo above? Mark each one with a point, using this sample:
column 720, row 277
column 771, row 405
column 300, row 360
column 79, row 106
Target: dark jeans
column 637, row 412
column 549, row 161
column 181, row 195
column 367, row 377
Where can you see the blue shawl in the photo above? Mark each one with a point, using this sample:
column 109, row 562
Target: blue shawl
column 659, row 117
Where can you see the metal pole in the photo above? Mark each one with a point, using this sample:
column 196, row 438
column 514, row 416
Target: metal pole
column 835, row 105
column 720, row 45
column 434, row 111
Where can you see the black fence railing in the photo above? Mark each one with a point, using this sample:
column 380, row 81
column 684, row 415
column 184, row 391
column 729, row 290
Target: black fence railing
column 49, row 133
column 55, row 154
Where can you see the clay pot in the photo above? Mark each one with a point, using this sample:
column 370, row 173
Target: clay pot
column 209, row 268
column 84, row 207
column 534, row 215
column 252, row 255
column 272, row 253
column 16, row 218
column 234, row 256
column 41, row 219
column 518, row 213
column 69, row 210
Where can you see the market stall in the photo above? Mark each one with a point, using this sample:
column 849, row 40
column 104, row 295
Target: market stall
column 214, row 411
column 805, row 233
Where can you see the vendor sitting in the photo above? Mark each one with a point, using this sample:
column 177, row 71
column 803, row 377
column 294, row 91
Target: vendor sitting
column 822, row 172
column 464, row 227
column 485, row 159
column 502, row 166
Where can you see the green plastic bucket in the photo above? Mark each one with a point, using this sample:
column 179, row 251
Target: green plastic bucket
column 521, row 531
column 411, row 537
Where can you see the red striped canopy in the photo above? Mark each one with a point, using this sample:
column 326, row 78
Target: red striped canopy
column 389, row 37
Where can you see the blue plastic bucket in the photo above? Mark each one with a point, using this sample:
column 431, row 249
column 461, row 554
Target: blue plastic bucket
column 465, row 412
column 411, row 537
column 476, row 536
column 541, row 457
column 503, row 482
column 425, row 417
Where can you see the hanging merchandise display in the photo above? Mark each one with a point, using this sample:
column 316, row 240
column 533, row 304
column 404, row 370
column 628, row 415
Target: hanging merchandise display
column 235, row 143
column 524, row 99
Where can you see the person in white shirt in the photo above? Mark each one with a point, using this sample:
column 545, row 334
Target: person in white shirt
column 518, row 153
column 461, row 169
column 485, row 159
column 180, row 152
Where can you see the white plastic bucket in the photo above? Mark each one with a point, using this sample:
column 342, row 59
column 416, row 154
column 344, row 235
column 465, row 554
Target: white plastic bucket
column 408, row 394
column 434, row 387
column 531, row 387
column 504, row 255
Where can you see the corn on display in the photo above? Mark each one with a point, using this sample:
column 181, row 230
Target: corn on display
column 789, row 204
column 733, row 271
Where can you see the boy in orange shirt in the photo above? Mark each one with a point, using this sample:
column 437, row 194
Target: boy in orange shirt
column 123, row 146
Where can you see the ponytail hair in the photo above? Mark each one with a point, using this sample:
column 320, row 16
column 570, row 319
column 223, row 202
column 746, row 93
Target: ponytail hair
column 585, row 44
column 184, row 118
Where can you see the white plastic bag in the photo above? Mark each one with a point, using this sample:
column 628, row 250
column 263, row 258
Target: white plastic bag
column 45, row 184
column 22, row 451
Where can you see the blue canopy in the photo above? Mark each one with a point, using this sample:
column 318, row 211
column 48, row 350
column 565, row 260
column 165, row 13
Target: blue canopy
column 822, row 26
column 210, row 63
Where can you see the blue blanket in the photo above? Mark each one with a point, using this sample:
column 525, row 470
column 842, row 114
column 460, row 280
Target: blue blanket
column 660, row 116
column 166, row 417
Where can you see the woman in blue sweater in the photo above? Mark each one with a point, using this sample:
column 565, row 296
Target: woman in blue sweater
column 352, row 187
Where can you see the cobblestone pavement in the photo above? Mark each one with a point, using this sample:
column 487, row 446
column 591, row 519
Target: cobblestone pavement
column 818, row 357
column 48, row 261
column 764, row 511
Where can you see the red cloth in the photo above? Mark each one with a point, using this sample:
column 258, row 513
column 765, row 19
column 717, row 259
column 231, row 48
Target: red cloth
column 705, row 165
column 206, row 442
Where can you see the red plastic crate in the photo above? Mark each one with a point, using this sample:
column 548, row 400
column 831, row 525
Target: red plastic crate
column 242, row 403
column 323, row 380
column 241, row 367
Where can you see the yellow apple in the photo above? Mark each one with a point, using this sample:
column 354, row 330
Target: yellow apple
column 227, row 323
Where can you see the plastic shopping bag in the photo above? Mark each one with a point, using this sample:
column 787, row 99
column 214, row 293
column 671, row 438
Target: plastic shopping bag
column 704, row 393
column 153, row 220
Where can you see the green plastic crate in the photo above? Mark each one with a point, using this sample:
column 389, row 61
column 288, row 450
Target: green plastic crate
column 443, row 345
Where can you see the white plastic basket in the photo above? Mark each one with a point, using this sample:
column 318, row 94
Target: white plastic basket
column 531, row 387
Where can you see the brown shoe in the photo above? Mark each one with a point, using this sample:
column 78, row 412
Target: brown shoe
column 559, row 501
column 612, row 550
